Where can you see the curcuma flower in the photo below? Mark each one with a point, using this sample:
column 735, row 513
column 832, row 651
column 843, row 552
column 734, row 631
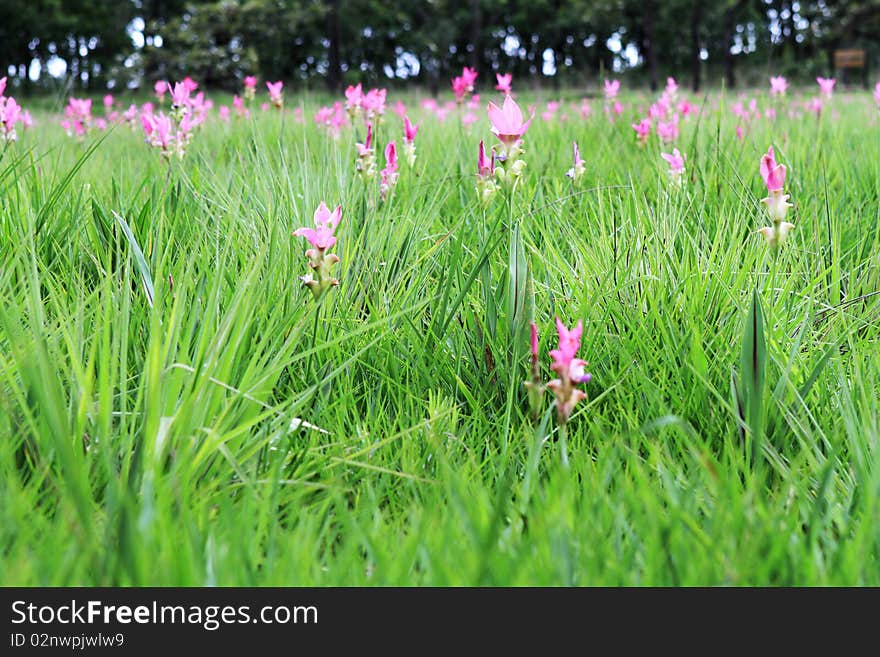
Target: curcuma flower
column 250, row 87
column 826, row 86
column 507, row 122
column 778, row 85
column 643, row 130
column 676, row 165
column 776, row 201
column 579, row 165
column 366, row 162
column 486, row 186
column 508, row 125
column 389, row 173
column 321, row 238
column 409, row 140
column 276, row 93
column 570, row 370
column 505, row 80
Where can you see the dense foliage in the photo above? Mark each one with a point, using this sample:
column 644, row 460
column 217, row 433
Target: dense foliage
column 220, row 41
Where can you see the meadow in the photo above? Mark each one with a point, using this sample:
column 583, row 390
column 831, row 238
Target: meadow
column 176, row 407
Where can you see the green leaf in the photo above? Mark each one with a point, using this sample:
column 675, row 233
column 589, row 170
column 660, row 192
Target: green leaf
column 139, row 260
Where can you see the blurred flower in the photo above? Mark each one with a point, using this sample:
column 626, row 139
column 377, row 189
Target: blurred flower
column 676, row 165
column 668, row 130
column 250, row 87
column 612, row 88
column 160, row 88
column 778, row 85
column 579, row 165
column 504, row 83
column 276, row 96
column 826, row 86
column 643, row 130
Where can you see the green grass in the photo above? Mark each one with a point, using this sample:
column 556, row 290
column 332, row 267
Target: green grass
column 149, row 432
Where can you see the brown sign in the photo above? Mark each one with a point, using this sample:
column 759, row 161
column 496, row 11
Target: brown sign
column 849, row 58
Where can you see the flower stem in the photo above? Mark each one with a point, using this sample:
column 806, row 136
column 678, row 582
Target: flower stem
column 563, row 444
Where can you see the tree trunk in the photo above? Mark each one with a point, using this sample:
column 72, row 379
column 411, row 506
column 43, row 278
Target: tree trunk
column 476, row 29
column 727, row 43
column 648, row 48
column 334, row 72
column 696, row 62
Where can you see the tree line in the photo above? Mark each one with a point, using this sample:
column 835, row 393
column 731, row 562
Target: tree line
column 334, row 42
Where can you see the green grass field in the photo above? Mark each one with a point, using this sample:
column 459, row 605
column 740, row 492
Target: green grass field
column 227, row 430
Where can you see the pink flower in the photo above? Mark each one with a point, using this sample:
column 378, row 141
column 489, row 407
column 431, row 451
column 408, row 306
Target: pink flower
column 740, row 133
column 877, row 93
column 366, row 147
column 676, row 162
column 504, row 83
column 2, row 86
column 612, row 88
column 507, row 121
column 459, row 87
column 778, row 85
column 658, row 110
column 389, row 173
column 586, row 109
column 668, row 130
column 158, row 131
column 777, row 202
column 469, row 76
column 772, row 173
column 643, row 130
column 671, row 86
column 374, row 102
column 275, row 93
column 10, row 114
column 399, row 108
column 321, row 236
column 579, row 165
column 160, row 88
column 570, row 370
column 108, row 101
column 250, row 82
column 354, row 97
column 180, row 94
column 409, row 130
column 826, row 86
column 486, row 186
column 686, row 108
column 814, row 105
column 130, row 115
column 190, row 84
column 224, row 113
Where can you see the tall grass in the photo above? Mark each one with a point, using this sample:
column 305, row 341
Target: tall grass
column 175, row 409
